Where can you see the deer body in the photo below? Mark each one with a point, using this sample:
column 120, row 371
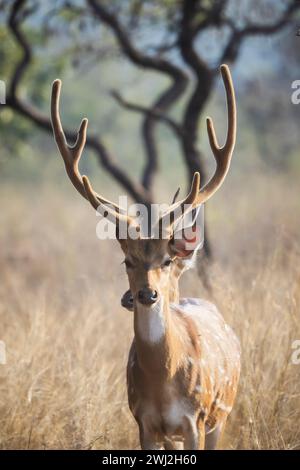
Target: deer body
column 184, row 364
column 182, row 385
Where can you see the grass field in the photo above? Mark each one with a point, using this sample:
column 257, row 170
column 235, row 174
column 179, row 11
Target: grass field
column 67, row 338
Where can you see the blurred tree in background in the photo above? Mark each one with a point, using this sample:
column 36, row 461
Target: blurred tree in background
column 182, row 41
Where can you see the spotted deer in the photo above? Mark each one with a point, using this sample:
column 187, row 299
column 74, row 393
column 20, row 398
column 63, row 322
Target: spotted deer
column 184, row 362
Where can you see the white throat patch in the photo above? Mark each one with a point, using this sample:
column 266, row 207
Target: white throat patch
column 151, row 322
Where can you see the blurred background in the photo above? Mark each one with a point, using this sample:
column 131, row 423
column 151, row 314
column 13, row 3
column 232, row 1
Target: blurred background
column 146, row 74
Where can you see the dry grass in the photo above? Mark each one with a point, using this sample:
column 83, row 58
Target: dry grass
column 67, row 339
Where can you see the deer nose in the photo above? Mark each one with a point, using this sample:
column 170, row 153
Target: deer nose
column 147, row 296
column 127, row 300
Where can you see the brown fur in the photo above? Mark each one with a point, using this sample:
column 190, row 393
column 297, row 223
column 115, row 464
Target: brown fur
column 169, row 371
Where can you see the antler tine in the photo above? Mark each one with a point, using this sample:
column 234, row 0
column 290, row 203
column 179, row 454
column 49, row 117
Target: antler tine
column 175, row 196
column 72, row 154
column 222, row 154
column 111, row 214
column 178, row 209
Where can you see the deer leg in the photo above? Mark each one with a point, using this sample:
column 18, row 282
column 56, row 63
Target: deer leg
column 212, row 438
column 172, row 445
column 148, row 440
column 194, row 436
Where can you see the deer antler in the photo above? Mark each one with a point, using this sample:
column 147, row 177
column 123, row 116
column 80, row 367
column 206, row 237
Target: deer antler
column 178, row 209
column 222, row 154
column 71, row 154
column 108, row 212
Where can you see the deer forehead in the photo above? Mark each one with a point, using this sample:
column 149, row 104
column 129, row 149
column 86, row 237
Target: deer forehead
column 147, row 251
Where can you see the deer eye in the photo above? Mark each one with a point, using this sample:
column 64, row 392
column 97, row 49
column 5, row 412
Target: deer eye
column 167, row 263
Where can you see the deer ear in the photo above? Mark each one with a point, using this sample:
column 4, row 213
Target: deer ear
column 188, row 236
column 186, row 241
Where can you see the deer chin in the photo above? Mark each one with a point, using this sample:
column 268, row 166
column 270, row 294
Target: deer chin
column 150, row 321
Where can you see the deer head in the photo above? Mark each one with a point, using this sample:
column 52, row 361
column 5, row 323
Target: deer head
column 149, row 260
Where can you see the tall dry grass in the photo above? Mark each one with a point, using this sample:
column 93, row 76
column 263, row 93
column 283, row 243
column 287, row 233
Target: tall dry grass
column 67, row 338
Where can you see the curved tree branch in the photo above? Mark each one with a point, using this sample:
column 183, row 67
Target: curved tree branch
column 203, row 86
column 153, row 112
column 137, row 57
column 136, row 191
column 21, row 67
column 164, row 102
column 237, row 37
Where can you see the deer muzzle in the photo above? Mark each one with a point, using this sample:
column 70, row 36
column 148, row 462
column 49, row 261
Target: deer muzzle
column 147, row 296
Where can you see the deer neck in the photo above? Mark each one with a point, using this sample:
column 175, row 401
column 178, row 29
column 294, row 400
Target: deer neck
column 174, row 289
column 157, row 338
